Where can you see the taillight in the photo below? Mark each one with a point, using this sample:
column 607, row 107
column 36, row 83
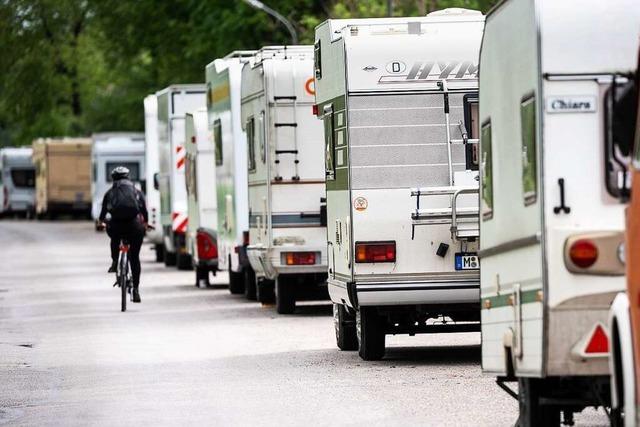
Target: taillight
column 598, row 343
column 299, row 258
column 315, row 109
column 245, row 238
column 583, row 253
column 207, row 248
column 375, row 251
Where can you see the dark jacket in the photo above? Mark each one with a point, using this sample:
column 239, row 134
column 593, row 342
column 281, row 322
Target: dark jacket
column 106, row 201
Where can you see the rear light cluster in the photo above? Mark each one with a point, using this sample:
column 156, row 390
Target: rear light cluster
column 599, row 342
column 369, row 252
column 207, row 248
column 299, row 258
column 583, row 253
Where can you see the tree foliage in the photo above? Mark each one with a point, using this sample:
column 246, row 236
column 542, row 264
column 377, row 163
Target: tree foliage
column 73, row 67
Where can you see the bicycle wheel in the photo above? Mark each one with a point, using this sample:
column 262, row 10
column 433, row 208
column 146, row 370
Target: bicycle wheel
column 122, row 281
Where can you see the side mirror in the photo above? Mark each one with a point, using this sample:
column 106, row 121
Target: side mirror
column 156, row 182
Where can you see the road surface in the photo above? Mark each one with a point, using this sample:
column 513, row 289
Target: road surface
column 189, row 356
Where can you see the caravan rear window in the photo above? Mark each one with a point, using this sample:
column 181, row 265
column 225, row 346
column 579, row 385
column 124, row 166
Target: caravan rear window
column 487, row 171
column 251, row 144
column 529, row 151
column 217, row 140
column 23, row 178
column 134, row 170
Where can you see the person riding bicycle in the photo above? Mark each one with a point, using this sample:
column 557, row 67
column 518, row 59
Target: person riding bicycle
column 128, row 218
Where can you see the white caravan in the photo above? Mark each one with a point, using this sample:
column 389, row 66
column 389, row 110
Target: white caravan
column 108, row 151
column 17, row 181
column 223, row 101
column 285, row 147
column 398, row 97
column 551, row 223
column 200, row 171
column 152, row 166
column 173, row 103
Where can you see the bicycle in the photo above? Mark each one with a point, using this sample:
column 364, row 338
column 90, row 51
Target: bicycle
column 123, row 275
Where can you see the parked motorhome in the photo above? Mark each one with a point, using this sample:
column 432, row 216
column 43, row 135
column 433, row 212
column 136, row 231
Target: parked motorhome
column 173, row 103
column 624, row 317
column 17, row 181
column 200, row 170
column 152, row 168
column 287, row 237
column 551, row 174
column 398, row 99
column 109, row 151
column 63, row 176
column 223, row 104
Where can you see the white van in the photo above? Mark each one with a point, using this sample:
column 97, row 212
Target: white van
column 200, row 171
column 17, row 181
column 173, row 104
column 223, row 104
column 110, row 150
column 152, row 167
column 551, row 222
column 398, row 97
column 287, row 236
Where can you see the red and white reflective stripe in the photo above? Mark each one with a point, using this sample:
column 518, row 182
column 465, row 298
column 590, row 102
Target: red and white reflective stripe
column 179, row 222
column 180, row 157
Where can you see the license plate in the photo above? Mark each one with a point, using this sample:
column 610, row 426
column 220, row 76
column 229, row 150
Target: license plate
column 467, row 261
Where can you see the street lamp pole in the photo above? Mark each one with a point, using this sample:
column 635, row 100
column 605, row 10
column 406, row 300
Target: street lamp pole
column 261, row 6
column 390, row 7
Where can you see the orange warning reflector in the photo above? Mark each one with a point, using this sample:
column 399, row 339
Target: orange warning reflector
column 599, row 341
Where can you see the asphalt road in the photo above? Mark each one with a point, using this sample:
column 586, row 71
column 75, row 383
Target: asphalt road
column 189, row 356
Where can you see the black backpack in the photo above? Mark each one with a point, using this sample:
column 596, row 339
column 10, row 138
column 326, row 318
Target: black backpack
column 124, row 201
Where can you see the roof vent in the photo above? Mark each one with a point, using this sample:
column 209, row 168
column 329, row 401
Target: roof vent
column 455, row 11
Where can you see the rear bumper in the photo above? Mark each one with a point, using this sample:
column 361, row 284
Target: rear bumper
column 405, row 293
column 267, row 262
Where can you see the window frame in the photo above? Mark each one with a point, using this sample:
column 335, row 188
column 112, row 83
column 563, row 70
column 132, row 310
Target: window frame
column 217, row 142
column 263, row 136
column 486, row 215
column 529, row 197
column 251, row 141
column 330, row 142
column 317, row 60
column 468, row 100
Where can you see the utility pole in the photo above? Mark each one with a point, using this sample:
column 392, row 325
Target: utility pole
column 261, row 6
column 390, row 7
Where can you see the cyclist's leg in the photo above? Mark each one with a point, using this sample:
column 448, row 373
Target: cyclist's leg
column 114, row 245
column 135, row 243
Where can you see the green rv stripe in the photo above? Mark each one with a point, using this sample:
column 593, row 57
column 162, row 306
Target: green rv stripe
column 498, row 301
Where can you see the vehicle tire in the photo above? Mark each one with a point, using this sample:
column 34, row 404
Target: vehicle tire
column 250, row 284
column 236, row 282
column 345, row 326
column 159, row 252
column 532, row 413
column 265, row 291
column 371, row 334
column 123, row 293
column 285, row 294
column 170, row 258
column 184, row 262
column 202, row 276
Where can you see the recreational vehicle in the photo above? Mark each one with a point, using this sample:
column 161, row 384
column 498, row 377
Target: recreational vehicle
column 109, row 151
column 17, row 179
column 624, row 318
column 63, row 176
column 173, row 103
column 287, row 236
column 552, row 171
column 200, row 173
column 151, row 168
column 223, row 105
column 398, row 98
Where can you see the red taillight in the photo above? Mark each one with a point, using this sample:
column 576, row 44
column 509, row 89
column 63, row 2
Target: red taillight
column 245, row 238
column 315, row 110
column 375, row 251
column 299, row 258
column 583, row 253
column 207, row 248
column 599, row 341
column 193, row 139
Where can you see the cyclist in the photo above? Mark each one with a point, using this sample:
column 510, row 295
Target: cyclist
column 127, row 219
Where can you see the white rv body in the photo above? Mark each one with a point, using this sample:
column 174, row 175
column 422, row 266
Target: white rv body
column 173, row 103
column 17, row 181
column 385, row 128
column 152, row 167
column 543, row 86
column 200, row 170
column 223, row 78
column 108, row 151
column 286, row 173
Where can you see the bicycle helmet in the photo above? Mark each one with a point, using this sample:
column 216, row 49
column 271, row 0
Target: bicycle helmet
column 120, row 172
